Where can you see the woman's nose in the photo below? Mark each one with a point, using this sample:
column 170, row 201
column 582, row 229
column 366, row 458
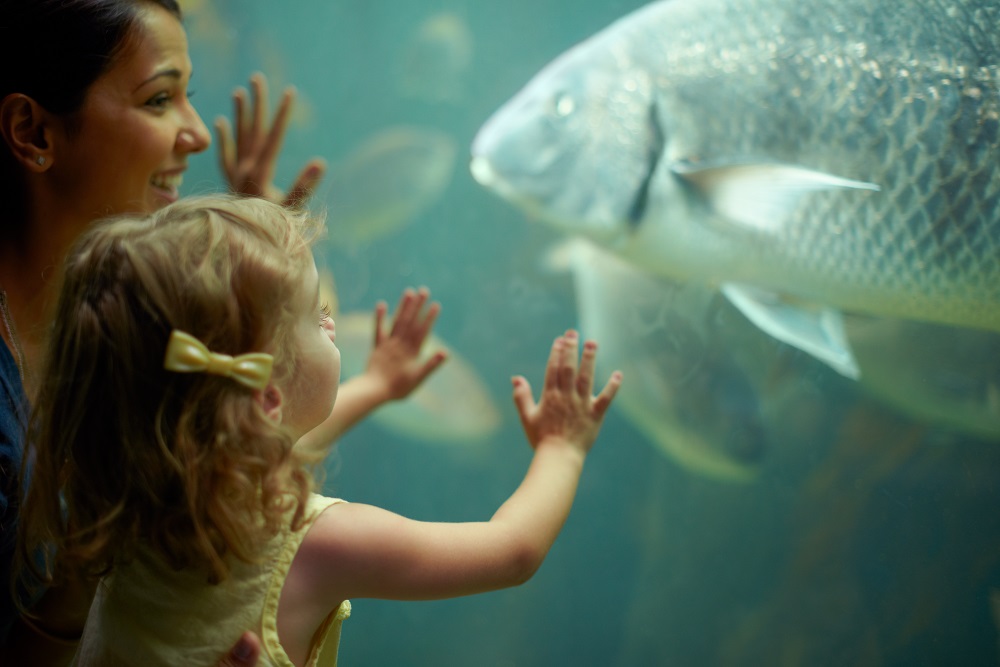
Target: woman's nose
column 194, row 136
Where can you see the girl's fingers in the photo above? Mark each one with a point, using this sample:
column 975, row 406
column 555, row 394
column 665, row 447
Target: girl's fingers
column 423, row 294
column 429, row 319
column 567, row 367
column 523, row 399
column 407, row 316
column 552, row 368
column 585, row 378
column 603, row 400
column 380, row 310
column 401, row 318
column 431, row 365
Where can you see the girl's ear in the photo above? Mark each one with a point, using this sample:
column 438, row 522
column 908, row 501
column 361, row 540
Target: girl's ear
column 271, row 400
column 25, row 127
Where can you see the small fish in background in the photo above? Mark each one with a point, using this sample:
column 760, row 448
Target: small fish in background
column 435, row 61
column 685, row 394
column 387, row 181
column 452, row 407
column 807, row 158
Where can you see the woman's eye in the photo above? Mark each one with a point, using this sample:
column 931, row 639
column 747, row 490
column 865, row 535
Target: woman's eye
column 324, row 314
column 159, row 101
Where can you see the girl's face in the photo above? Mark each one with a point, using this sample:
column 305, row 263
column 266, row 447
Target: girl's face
column 312, row 387
column 127, row 149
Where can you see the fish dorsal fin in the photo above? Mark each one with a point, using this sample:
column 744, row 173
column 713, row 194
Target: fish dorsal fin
column 760, row 195
column 819, row 333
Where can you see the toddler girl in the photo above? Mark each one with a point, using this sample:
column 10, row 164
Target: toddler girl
column 187, row 395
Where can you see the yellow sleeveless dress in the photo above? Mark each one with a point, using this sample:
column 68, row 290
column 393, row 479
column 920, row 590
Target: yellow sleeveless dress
column 147, row 614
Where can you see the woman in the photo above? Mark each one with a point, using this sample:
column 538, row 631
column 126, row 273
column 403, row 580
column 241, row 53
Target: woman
column 96, row 120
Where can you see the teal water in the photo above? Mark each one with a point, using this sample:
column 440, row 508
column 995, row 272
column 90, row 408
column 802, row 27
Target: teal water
column 868, row 536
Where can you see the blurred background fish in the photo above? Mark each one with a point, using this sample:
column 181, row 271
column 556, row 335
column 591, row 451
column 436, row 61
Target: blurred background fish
column 435, row 62
column 387, row 181
column 806, row 157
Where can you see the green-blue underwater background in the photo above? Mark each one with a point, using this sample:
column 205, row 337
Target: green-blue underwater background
column 867, row 535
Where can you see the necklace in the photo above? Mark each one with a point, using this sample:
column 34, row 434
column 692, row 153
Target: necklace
column 8, row 325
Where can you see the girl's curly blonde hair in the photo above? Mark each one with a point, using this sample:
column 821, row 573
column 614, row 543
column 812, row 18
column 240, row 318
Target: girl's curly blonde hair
column 124, row 454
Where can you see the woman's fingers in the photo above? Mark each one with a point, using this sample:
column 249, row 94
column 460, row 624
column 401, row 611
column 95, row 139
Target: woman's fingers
column 227, row 149
column 310, row 176
column 258, row 115
column 276, row 134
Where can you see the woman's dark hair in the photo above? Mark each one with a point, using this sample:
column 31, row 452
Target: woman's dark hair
column 52, row 51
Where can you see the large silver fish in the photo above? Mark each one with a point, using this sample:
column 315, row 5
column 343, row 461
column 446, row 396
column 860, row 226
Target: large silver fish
column 806, row 157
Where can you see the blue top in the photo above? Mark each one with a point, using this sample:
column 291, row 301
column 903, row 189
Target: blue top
column 13, row 422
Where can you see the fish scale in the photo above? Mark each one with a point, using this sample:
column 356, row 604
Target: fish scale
column 902, row 96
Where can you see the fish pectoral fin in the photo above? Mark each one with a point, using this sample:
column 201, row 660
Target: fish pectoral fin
column 819, row 333
column 760, row 196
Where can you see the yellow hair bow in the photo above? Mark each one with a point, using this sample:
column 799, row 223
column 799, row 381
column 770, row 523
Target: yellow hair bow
column 187, row 354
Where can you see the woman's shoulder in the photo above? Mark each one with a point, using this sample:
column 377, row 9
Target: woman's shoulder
column 13, row 401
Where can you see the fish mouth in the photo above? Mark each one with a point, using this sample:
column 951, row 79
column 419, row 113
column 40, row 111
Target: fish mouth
column 487, row 175
column 484, row 173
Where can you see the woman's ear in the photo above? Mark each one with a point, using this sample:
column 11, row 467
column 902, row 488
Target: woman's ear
column 25, row 126
column 270, row 400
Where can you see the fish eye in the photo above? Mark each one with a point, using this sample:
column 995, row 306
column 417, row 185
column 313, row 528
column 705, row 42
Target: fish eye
column 563, row 104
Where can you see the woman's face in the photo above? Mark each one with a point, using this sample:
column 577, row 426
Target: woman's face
column 128, row 147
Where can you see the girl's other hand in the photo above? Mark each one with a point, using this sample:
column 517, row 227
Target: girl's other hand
column 567, row 410
column 395, row 360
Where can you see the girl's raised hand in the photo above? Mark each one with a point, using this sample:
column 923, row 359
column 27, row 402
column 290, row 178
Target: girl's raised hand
column 567, row 409
column 248, row 160
column 395, row 358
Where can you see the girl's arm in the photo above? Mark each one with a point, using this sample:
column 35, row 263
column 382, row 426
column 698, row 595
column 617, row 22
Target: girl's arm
column 356, row 551
column 395, row 367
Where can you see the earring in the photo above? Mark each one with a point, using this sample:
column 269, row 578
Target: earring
column 40, row 160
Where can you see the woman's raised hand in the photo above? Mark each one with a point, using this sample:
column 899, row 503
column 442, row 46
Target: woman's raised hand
column 248, row 159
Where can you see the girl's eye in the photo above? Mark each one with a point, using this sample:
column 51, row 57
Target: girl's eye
column 324, row 314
